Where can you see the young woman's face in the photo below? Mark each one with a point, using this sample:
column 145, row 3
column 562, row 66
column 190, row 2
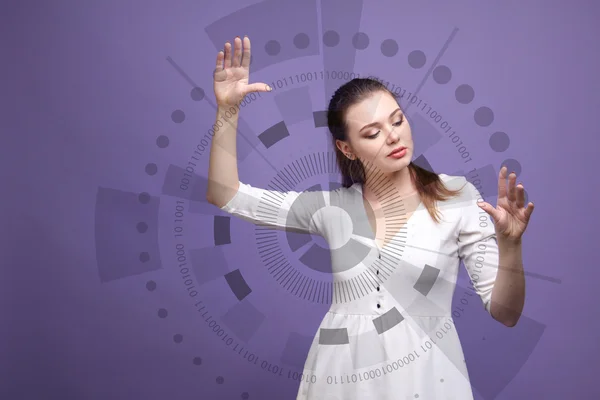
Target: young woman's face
column 376, row 128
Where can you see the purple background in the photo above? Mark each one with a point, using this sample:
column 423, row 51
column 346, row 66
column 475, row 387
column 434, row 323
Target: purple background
column 98, row 107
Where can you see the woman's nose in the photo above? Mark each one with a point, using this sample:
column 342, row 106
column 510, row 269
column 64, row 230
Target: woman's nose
column 393, row 136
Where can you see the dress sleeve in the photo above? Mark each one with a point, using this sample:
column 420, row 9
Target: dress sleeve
column 477, row 244
column 282, row 210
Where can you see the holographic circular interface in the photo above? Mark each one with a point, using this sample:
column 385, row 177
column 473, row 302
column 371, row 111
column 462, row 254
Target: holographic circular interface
column 223, row 263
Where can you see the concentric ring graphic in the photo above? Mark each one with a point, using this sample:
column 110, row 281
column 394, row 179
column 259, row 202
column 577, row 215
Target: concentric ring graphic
column 223, row 290
column 311, row 254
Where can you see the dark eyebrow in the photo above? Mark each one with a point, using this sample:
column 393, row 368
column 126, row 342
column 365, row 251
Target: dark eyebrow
column 376, row 123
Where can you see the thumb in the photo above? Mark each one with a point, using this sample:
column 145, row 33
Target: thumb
column 257, row 87
column 488, row 208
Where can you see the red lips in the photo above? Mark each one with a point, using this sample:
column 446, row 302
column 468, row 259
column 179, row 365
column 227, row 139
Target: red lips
column 397, row 150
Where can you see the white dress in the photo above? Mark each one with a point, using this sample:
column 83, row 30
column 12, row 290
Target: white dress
column 389, row 333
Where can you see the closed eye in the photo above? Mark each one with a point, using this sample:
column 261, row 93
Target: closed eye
column 373, row 136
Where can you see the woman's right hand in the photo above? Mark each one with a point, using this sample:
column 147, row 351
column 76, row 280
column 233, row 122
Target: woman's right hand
column 231, row 74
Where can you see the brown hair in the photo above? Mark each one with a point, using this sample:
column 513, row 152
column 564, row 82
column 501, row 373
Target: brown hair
column 429, row 185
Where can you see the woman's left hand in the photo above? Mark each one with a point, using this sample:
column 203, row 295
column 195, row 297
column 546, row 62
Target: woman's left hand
column 510, row 216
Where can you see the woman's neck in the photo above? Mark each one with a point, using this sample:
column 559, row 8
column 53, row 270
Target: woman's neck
column 401, row 181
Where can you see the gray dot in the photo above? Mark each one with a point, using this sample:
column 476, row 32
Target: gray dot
column 416, row 396
column 144, row 198
column 512, row 165
column 220, row 380
column 301, row 41
column 499, row 141
column 245, row 396
column 389, row 47
column 144, row 257
column 151, row 169
column 178, row 116
column 442, row 74
column 162, row 141
column 416, row 59
column 142, row 227
column 197, row 94
column 360, row 40
column 151, row 285
column 162, row 313
column 197, row 361
column 464, row 94
column 484, row 116
column 441, row 379
column 272, row 47
column 331, row 38
column 178, row 338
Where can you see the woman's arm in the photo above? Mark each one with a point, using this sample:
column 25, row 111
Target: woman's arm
column 223, row 179
column 508, row 295
column 477, row 244
column 288, row 210
column 511, row 218
column 231, row 86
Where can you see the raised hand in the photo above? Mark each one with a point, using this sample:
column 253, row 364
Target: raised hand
column 231, row 74
column 510, row 216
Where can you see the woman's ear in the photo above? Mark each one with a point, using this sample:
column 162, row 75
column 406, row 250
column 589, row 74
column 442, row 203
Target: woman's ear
column 343, row 146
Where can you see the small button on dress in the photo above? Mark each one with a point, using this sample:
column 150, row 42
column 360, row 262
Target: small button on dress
column 409, row 349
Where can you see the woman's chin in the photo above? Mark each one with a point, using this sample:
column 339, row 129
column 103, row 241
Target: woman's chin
column 394, row 164
column 391, row 168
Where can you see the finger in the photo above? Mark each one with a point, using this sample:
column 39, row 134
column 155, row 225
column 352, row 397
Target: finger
column 488, row 208
column 257, row 87
column 220, row 57
column 512, row 193
column 246, row 52
column 520, row 195
column 237, row 53
column 227, row 55
column 529, row 210
column 502, row 182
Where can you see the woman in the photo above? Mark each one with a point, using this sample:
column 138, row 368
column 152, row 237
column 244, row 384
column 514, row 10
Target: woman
column 389, row 332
